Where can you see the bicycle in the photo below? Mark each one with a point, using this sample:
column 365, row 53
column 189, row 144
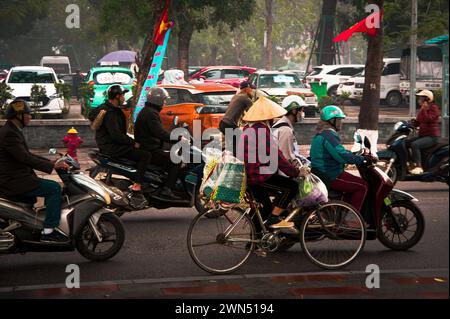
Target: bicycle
column 331, row 235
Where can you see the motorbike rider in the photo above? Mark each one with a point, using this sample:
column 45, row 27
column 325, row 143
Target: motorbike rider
column 151, row 135
column 18, row 180
column 240, row 103
column 112, row 138
column 427, row 121
column 283, row 130
column 328, row 157
column 256, row 139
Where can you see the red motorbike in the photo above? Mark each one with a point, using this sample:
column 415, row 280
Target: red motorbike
column 391, row 215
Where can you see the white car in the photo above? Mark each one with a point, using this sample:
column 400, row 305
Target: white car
column 333, row 75
column 281, row 84
column 22, row 78
column 389, row 87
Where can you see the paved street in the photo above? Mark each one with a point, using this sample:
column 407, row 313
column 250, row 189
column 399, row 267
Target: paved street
column 155, row 257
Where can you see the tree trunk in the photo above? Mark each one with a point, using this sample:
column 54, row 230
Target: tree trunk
column 368, row 114
column 269, row 29
column 213, row 56
column 327, row 33
column 184, row 40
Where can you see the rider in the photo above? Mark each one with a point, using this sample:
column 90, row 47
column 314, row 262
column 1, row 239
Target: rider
column 17, row 178
column 428, row 123
column 150, row 134
column 283, row 130
column 256, row 141
column 112, row 138
column 328, row 158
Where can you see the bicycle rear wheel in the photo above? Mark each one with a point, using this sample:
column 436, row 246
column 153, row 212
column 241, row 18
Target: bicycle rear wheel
column 332, row 235
column 223, row 243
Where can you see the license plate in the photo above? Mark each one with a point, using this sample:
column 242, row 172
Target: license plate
column 387, row 201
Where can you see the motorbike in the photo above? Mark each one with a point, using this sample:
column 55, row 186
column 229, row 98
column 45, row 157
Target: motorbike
column 394, row 160
column 90, row 227
column 117, row 174
column 391, row 215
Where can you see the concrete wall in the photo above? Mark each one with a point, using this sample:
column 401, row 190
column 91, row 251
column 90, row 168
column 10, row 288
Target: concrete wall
column 49, row 133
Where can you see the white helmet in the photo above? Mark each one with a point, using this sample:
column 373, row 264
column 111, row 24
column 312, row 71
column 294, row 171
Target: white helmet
column 157, row 96
column 426, row 93
column 293, row 102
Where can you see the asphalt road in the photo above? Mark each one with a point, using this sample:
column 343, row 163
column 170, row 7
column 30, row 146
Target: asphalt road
column 155, row 248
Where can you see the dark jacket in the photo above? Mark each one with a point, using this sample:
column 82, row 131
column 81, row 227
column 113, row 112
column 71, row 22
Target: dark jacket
column 149, row 131
column 17, row 163
column 111, row 137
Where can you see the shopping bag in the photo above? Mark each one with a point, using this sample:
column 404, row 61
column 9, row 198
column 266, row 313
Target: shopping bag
column 311, row 191
column 231, row 185
column 211, row 171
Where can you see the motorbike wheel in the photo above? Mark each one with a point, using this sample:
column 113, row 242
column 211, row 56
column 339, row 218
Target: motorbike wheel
column 410, row 220
column 113, row 236
column 393, row 171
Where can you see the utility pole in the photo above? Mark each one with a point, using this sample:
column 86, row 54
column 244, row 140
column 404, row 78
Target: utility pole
column 413, row 57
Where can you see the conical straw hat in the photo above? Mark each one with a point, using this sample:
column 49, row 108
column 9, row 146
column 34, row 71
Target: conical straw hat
column 262, row 110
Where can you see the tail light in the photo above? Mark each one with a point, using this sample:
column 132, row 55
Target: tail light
column 317, row 79
column 91, row 83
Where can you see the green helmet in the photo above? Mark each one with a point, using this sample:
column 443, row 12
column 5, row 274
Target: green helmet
column 331, row 112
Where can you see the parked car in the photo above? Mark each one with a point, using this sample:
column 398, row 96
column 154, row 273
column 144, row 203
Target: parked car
column 389, row 87
column 101, row 78
column 232, row 75
column 333, row 75
column 22, row 78
column 206, row 102
column 280, row 84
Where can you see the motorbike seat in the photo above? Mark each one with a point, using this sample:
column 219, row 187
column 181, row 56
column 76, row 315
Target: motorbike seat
column 128, row 162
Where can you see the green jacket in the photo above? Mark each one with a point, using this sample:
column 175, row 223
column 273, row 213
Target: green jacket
column 328, row 156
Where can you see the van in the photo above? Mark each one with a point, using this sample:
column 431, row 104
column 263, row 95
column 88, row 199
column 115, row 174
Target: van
column 60, row 64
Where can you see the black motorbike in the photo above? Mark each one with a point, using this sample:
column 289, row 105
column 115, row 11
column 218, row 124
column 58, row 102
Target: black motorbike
column 90, row 227
column 118, row 173
column 394, row 160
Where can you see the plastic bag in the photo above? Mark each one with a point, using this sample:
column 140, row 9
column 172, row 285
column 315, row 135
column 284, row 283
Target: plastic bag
column 232, row 182
column 211, row 171
column 311, row 191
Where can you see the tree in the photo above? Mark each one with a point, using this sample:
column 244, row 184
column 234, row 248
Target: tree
column 269, row 30
column 326, row 45
column 368, row 114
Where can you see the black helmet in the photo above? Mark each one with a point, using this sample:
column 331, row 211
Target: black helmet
column 17, row 107
column 157, row 96
column 114, row 90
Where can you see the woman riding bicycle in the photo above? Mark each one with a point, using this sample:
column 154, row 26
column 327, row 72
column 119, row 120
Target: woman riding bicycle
column 328, row 158
column 263, row 159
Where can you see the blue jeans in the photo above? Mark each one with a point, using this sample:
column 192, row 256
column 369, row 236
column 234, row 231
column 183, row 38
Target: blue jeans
column 419, row 144
column 51, row 191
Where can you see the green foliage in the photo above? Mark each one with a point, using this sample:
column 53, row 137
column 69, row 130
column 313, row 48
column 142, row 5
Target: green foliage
column 438, row 97
column 329, row 100
column 64, row 90
column 5, row 95
column 37, row 94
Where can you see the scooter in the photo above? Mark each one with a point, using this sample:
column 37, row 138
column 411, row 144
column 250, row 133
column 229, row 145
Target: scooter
column 394, row 160
column 90, row 227
column 391, row 215
column 118, row 173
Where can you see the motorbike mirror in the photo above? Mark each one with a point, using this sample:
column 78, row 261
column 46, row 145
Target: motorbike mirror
column 175, row 121
column 367, row 143
column 52, row 151
column 358, row 138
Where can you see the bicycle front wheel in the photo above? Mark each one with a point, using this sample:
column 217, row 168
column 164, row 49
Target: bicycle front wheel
column 223, row 243
column 332, row 235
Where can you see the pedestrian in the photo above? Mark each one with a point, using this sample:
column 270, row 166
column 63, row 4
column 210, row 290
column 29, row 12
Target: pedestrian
column 72, row 142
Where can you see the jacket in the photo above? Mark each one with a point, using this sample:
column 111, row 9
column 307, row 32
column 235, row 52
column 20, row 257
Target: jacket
column 149, row 131
column 328, row 156
column 256, row 140
column 17, row 164
column 428, row 121
column 111, row 137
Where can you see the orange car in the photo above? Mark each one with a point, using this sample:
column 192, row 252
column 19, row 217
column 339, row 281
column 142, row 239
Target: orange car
column 206, row 102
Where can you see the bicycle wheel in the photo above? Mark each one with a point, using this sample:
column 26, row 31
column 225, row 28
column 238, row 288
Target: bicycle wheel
column 223, row 243
column 332, row 235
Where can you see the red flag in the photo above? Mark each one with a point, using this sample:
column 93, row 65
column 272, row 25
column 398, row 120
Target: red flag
column 369, row 25
column 163, row 26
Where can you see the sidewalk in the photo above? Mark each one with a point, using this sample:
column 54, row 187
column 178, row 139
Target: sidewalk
column 412, row 284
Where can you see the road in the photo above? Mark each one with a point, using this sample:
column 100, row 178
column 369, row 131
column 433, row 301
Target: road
column 155, row 249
